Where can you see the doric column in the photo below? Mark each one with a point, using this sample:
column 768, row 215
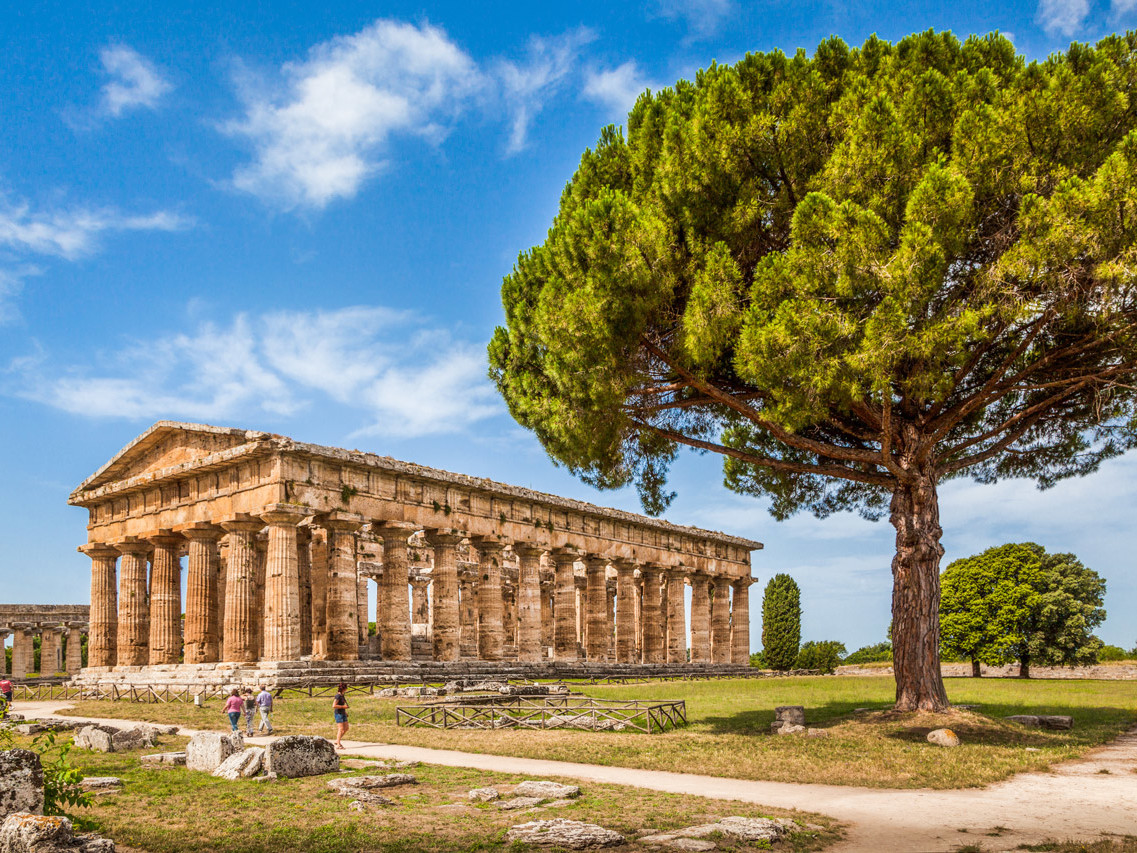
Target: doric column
column 700, row 619
column 342, row 608
column 395, row 635
column 241, row 622
column 720, row 620
column 133, row 604
column 625, row 611
column 638, row 654
column 564, row 610
column 221, row 582
column 165, row 599
column 282, row 583
column 468, row 615
column 4, row 632
column 610, row 615
column 490, row 627
column 508, row 618
column 201, row 644
column 304, row 567
column 676, row 618
column 653, row 651
column 361, row 603
column 50, row 649
column 528, row 601
column 23, row 649
column 740, row 622
column 74, row 656
column 319, row 555
column 260, row 560
column 581, row 583
column 420, row 605
column 102, row 642
column 445, row 635
column 596, row 605
column 547, row 616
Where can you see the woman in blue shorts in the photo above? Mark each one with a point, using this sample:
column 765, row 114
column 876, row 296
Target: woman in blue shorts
column 339, row 711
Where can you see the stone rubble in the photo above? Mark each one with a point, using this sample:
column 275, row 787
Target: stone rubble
column 750, row 829
column 241, row 765
column 368, row 783
column 101, row 783
column 165, row 758
column 22, row 832
column 484, row 795
column 519, row 803
column 1057, row 722
column 21, row 782
column 546, row 790
column 789, row 729
column 558, row 832
column 294, row 756
column 101, row 738
column 943, row 737
column 207, row 750
column 788, row 715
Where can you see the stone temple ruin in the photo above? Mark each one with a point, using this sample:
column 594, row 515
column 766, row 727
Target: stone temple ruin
column 282, row 538
column 60, row 628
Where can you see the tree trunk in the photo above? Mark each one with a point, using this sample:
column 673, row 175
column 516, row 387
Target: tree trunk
column 1024, row 668
column 915, row 513
column 976, row 671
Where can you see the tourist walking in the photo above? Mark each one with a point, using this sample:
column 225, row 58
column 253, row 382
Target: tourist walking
column 264, row 705
column 233, row 708
column 250, row 707
column 6, row 692
column 339, row 711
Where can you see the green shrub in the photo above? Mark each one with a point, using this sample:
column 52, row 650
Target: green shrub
column 757, row 659
column 781, row 622
column 876, row 653
column 824, row 655
column 61, row 780
column 1110, row 653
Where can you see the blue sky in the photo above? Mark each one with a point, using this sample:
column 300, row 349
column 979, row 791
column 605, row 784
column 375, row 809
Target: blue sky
column 296, row 217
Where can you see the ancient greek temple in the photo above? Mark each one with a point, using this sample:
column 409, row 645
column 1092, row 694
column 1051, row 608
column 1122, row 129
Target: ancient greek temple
column 268, row 546
column 60, row 628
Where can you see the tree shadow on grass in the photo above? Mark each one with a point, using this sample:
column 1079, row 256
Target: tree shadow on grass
column 758, row 721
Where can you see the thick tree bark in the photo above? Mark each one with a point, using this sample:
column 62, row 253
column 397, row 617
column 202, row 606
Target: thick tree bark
column 976, row 672
column 1024, row 668
column 915, row 513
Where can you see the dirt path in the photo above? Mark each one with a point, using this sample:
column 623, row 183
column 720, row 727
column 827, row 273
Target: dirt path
column 1081, row 800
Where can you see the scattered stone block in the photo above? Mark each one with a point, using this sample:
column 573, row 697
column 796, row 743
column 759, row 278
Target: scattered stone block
column 23, row 832
column 1056, row 722
column 207, row 750
column 241, row 765
column 519, row 803
column 817, row 732
column 21, row 782
column 100, row 783
column 369, row 783
column 558, row 832
column 789, row 729
column 754, row 828
column 695, row 844
column 356, row 806
column 100, row 738
column 943, row 737
column 484, row 795
column 387, row 693
column 39, row 726
column 166, row 758
column 546, row 790
column 301, row 755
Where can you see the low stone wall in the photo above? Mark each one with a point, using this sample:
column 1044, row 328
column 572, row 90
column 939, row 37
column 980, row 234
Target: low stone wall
column 1108, row 672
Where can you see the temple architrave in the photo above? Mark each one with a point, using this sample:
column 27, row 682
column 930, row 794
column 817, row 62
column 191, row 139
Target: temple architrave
column 274, row 543
column 60, row 628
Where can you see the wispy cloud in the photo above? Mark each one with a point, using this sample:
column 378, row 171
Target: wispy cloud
column 616, row 89
column 1122, row 9
column 1064, row 16
column 135, row 81
column 72, row 232
column 406, row 377
column 529, row 84
column 703, row 18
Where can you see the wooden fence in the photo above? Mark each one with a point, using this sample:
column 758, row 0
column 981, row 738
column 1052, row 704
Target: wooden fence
column 545, row 712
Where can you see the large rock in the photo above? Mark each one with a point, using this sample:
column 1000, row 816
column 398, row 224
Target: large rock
column 100, row 783
column 484, row 795
column 943, row 737
column 1043, row 721
column 370, row 783
column 301, row 755
column 788, row 715
column 241, row 765
column 21, row 782
column 102, row 738
column 546, row 790
column 559, row 832
column 29, row 833
column 753, row 828
column 206, row 750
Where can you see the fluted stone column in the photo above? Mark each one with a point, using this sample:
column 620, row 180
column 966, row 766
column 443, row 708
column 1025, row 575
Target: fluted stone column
column 700, row 619
column 596, row 606
column 222, row 581
column 420, row 605
column 361, row 603
column 610, row 615
column 547, row 616
column 50, row 649
column 638, row 654
column 395, row 638
column 664, row 612
column 260, row 552
column 564, row 610
column 282, row 583
column 676, row 618
column 720, row 621
column 508, row 618
column 445, row 637
column 625, row 611
column 102, row 641
column 23, row 649
column 468, row 617
column 740, row 622
column 165, row 600
column 528, row 602
column 74, row 656
column 490, row 627
column 652, row 635
column 318, row 551
column 304, row 567
column 3, row 651
column 241, row 622
column 581, row 583
column 133, row 604
column 342, row 608
column 201, row 643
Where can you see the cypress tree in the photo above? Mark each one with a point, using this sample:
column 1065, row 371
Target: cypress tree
column 781, row 622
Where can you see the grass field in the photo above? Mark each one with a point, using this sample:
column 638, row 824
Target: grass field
column 174, row 810
column 729, row 735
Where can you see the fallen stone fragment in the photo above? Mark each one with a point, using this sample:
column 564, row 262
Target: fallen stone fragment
column 241, row 765
column 546, row 790
column 171, row 758
column 356, row 806
column 39, row 726
column 519, row 803
column 29, row 833
column 484, row 795
column 754, row 828
column 368, row 783
column 817, row 733
column 556, row 804
column 790, row 729
column 21, row 782
column 361, row 795
column 788, row 715
column 943, row 737
column 100, row 783
column 696, row 844
column 206, row 750
column 387, row 693
column 267, row 777
column 294, row 756
column 1057, row 722
column 558, row 832
column 100, row 738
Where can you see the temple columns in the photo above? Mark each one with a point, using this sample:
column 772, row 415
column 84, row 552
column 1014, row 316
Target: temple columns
column 318, row 554
column 700, row 619
column 342, row 608
column 468, row 617
column 489, row 598
column 564, row 611
column 528, row 602
column 676, row 618
column 102, row 639
column 74, row 656
column 720, row 621
column 241, row 617
column 165, row 600
column 625, row 612
column 395, row 633
column 23, row 650
column 653, row 651
column 596, row 607
column 201, row 642
column 304, row 570
column 420, row 606
column 547, row 617
column 133, row 604
column 740, row 622
column 445, row 635
column 637, row 601
column 282, row 584
column 50, row 649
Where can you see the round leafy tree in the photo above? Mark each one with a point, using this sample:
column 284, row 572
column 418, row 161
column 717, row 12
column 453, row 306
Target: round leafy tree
column 1016, row 602
column 854, row 275
column 781, row 622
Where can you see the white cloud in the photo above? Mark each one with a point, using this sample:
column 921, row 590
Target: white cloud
column 74, row 232
column 703, row 17
column 617, row 88
column 323, row 133
column 135, row 81
column 528, row 85
column 1063, row 16
column 1122, row 8
column 407, row 378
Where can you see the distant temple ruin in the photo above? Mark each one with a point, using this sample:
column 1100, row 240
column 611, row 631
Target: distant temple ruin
column 60, row 628
column 282, row 538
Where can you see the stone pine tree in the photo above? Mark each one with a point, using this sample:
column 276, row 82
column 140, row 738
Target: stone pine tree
column 1019, row 603
column 855, row 275
column 781, row 622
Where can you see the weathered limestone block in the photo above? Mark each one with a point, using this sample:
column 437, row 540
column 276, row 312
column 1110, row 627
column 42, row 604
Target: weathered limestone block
column 241, row 765
column 558, row 832
column 943, row 737
column 207, row 750
column 547, row 790
column 301, row 755
column 790, row 729
column 100, row 783
column 787, row 715
column 21, row 782
column 167, row 758
column 1042, row 721
column 102, row 738
column 368, row 783
column 519, row 803
column 753, row 828
column 484, row 795
column 30, row 833
column 47, row 726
